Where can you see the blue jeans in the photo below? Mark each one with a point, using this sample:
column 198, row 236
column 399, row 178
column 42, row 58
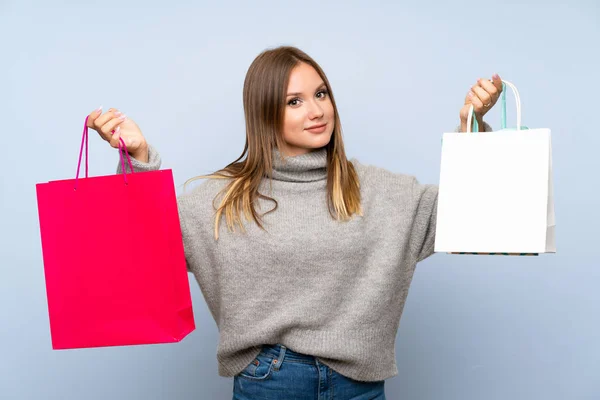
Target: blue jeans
column 279, row 373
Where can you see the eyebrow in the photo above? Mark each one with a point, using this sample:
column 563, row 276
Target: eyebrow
column 321, row 86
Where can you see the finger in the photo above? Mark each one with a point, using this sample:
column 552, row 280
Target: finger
column 107, row 130
column 477, row 104
column 482, row 95
column 103, row 119
column 114, row 139
column 497, row 82
column 92, row 117
column 489, row 87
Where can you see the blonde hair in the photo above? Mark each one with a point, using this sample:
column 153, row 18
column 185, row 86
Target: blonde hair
column 264, row 98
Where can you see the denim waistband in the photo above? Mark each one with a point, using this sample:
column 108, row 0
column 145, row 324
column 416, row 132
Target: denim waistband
column 276, row 350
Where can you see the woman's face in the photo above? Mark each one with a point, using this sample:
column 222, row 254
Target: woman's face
column 309, row 116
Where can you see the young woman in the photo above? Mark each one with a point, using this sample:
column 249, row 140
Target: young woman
column 308, row 279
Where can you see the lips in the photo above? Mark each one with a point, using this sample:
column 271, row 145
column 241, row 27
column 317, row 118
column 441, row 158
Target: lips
column 315, row 127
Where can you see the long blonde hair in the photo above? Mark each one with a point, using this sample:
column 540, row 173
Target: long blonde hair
column 264, row 94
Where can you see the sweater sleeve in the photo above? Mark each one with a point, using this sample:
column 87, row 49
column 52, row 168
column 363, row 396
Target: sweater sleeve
column 153, row 163
column 422, row 236
column 185, row 234
column 486, row 128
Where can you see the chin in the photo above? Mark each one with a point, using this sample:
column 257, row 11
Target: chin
column 320, row 140
column 311, row 143
column 317, row 144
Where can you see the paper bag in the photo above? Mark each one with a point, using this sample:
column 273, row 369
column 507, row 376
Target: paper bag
column 495, row 192
column 113, row 257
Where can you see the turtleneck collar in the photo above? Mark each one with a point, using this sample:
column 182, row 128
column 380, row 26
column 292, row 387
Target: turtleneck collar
column 307, row 167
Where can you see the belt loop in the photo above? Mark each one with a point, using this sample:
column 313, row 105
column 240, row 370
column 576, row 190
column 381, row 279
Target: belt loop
column 278, row 361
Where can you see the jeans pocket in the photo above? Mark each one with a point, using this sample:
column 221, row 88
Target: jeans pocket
column 259, row 369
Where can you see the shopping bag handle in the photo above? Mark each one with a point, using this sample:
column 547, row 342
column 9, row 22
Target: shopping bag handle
column 84, row 138
column 503, row 109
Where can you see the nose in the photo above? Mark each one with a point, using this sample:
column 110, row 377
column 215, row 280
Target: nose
column 315, row 111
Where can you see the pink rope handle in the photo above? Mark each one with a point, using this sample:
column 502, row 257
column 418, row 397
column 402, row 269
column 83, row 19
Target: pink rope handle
column 85, row 139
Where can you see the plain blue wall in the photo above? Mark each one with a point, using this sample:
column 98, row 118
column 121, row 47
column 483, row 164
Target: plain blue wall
column 473, row 327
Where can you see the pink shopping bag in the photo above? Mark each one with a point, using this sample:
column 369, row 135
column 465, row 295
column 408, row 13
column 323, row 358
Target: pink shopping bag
column 114, row 261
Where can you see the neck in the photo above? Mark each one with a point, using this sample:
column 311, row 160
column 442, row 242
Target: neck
column 306, row 167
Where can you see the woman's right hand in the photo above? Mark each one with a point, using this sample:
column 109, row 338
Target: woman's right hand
column 113, row 125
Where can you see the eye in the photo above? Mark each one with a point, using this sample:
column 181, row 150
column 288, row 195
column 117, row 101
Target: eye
column 323, row 93
column 294, row 102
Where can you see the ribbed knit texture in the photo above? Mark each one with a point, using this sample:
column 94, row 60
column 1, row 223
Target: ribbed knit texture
column 334, row 290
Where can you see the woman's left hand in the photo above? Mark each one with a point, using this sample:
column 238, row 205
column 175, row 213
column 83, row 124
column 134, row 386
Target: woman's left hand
column 483, row 95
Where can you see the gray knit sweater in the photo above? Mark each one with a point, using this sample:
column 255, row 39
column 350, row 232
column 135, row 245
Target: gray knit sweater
column 334, row 290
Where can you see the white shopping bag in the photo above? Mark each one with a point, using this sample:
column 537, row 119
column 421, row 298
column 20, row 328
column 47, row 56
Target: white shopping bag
column 495, row 192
